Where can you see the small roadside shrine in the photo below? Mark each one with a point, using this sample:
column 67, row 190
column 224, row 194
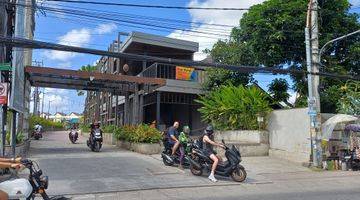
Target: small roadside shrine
column 341, row 143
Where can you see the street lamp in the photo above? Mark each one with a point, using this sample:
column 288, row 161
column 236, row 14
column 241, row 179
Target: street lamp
column 334, row 40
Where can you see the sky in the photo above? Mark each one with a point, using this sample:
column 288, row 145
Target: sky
column 64, row 29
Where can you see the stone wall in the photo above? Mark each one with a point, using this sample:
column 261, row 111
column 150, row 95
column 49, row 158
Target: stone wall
column 289, row 135
column 249, row 143
column 21, row 150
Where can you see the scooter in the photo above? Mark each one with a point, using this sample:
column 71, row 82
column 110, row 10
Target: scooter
column 95, row 142
column 352, row 161
column 24, row 189
column 73, row 136
column 37, row 134
column 168, row 160
column 232, row 167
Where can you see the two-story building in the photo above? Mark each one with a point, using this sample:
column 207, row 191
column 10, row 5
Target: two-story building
column 172, row 102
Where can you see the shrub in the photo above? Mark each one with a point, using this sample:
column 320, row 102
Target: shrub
column 19, row 137
column 84, row 128
column 109, row 128
column 45, row 123
column 234, row 108
column 138, row 134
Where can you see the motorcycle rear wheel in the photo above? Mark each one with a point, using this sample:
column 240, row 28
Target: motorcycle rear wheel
column 239, row 175
column 36, row 137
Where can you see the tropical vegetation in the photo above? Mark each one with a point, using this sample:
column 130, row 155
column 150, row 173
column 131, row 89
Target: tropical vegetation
column 45, row 123
column 234, row 107
column 138, row 134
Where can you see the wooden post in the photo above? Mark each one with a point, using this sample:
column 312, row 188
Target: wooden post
column 116, row 110
column 158, row 95
column 141, row 106
column 136, row 105
column 126, row 109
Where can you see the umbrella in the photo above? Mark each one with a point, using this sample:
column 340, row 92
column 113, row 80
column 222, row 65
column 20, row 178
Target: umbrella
column 328, row 127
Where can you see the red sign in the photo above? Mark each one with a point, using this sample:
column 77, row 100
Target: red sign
column 3, row 93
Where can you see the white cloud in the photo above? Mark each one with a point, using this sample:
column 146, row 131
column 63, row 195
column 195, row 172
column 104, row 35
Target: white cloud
column 355, row 2
column 75, row 37
column 212, row 17
column 105, row 28
column 79, row 38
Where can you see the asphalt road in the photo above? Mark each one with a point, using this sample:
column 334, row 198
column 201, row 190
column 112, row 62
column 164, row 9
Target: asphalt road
column 113, row 173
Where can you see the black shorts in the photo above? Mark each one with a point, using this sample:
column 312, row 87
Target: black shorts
column 208, row 152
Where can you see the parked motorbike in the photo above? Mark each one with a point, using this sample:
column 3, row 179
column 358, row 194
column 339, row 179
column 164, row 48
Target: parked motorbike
column 352, row 161
column 37, row 134
column 35, row 184
column 73, row 136
column 95, row 140
column 170, row 161
column 231, row 167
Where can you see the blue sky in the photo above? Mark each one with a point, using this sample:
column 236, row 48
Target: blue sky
column 61, row 28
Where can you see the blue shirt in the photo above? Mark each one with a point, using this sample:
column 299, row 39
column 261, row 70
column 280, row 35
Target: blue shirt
column 172, row 132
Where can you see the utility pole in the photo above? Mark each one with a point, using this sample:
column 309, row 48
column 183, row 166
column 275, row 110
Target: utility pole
column 36, row 91
column 312, row 60
column 42, row 106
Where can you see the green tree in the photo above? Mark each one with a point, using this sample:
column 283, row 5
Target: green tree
column 349, row 102
column 87, row 68
column 229, row 53
column 273, row 33
column 278, row 89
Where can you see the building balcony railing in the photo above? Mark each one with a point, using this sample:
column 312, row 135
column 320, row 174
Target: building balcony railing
column 168, row 71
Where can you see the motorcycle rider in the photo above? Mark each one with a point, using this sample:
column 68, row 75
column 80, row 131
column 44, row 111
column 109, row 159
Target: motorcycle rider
column 94, row 126
column 208, row 143
column 38, row 127
column 183, row 138
column 173, row 136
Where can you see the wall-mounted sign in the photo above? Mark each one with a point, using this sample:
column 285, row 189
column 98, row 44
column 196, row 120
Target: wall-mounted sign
column 3, row 93
column 186, row 73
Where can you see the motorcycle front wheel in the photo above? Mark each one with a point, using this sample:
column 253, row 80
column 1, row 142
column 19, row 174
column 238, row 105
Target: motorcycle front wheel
column 196, row 172
column 239, row 175
column 97, row 146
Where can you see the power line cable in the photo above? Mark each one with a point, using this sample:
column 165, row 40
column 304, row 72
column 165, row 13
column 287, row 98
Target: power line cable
column 25, row 43
column 152, row 6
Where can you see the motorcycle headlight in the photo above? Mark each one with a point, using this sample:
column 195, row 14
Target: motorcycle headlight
column 45, row 182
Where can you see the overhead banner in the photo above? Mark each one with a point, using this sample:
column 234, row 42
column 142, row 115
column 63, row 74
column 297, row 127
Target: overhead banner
column 186, row 73
column 3, row 93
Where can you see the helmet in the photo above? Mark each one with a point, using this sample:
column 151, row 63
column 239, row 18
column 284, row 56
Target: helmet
column 186, row 129
column 209, row 130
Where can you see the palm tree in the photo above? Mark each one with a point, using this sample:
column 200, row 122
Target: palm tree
column 86, row 68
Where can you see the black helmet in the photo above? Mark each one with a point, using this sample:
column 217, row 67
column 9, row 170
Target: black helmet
column 209, row 129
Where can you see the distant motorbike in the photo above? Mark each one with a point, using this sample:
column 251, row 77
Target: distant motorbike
column 25, row 189
column 95, row 140
column 37, row 134
column 232, row 167
column 73, row 136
